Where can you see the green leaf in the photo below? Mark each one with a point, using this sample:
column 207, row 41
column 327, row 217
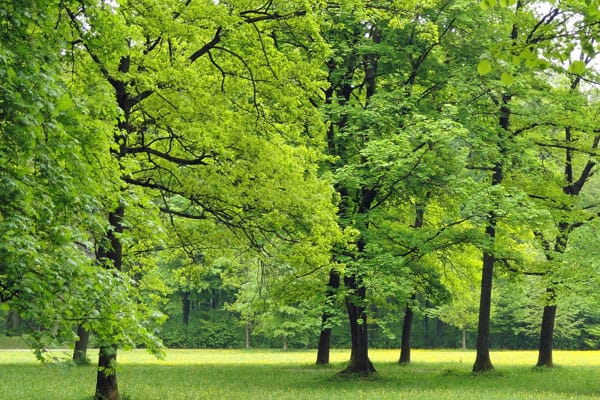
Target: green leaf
column 506, row 79
column 484, row 67
column 486, row 4
column 577, row 67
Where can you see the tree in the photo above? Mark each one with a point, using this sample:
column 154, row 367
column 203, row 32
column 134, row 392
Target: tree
column 49, row 178
column 569, row 214
column 552, row 41
column 386, row 136
column 202, row 116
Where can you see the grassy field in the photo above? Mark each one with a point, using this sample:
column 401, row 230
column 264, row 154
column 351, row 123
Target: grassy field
column 268, row 374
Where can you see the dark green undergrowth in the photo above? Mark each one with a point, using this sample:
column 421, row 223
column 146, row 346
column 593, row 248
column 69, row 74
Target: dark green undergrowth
column 213, row 380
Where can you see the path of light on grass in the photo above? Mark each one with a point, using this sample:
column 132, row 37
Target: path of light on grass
column 303, row 357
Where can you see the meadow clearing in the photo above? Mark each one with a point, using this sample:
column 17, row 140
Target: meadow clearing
column 273, row 374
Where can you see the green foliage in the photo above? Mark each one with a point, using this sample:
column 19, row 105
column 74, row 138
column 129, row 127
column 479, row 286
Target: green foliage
column 208, row 331
column 253, row 146
column 51, row 165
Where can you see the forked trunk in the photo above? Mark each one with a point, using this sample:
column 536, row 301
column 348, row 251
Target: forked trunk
column 81, row 345
column 359, row 357
column 406, row 332
column 106, row 381
column 546, row 337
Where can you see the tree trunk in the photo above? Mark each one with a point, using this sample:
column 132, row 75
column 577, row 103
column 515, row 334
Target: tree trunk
column 324, row 346
column 215, row 298
column 106, row 382
column 248, row 331
column 549, row 315
column 546, row 337
column 464, row 339
column 406, row 332
column 325, row 336
column 111, row 254
column 285, row 343
column 359, row 357
column 482, row 360
column 13, row 323
column 81, row 345
column 408, row 312
column 185, row 307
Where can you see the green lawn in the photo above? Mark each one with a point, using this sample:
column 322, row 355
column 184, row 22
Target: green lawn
column 264, row 374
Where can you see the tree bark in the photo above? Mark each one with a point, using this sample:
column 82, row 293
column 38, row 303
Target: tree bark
column 13, row 323
column 248, row 331
column 185, row 306
column 408, row 312
column 106, row 382
column 111, row 254
column 81, row 346
column 359, row 357
column 482, row 360
column 324, row 345
column 546, row 337
column 549, row 315
column 325, row 336
column 406, row 332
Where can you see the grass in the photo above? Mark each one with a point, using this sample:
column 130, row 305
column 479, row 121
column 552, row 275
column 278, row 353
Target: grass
column 271, row 374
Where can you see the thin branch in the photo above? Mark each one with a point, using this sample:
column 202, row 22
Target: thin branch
column 263, row 16
column 166, row 156
column 254, row 89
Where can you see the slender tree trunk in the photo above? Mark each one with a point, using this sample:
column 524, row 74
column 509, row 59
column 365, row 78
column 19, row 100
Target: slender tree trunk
column 464, row 339
column 215, row 299
column 248, row 331
column 547, row 335
column 13, row 323
column 482, row 360
column 325, row 336
column 359, row 357
column 408, row 312
column 81, row 346
column 549, row 315
column 106, row 382
column 285, row 343
column 406, row 333
column 185, row 306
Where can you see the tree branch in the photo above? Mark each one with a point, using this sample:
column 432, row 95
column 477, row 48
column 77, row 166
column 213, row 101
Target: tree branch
column 165, row 156
column 208, row 46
